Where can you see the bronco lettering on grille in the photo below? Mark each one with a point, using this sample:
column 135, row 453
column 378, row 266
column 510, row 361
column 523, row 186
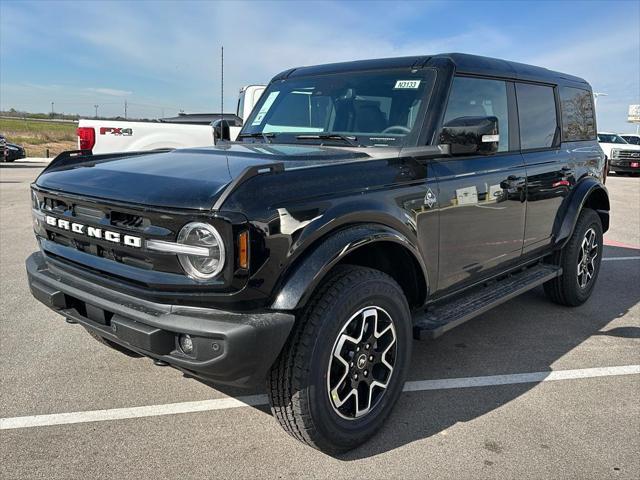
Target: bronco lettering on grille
column 95, row 232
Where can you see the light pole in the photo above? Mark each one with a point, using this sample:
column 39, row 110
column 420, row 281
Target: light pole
column 96, row 107
column 595, row 97
column 52, row 112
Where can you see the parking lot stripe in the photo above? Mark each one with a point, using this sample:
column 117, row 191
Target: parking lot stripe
column 256, row 400
column 609, row 259
column 131, row 412
column 514, row 378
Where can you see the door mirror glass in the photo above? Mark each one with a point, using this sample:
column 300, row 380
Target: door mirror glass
column 471, row 135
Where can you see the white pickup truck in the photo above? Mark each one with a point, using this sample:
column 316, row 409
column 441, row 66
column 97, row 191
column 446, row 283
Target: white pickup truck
column 623, row 157
column 109, row 136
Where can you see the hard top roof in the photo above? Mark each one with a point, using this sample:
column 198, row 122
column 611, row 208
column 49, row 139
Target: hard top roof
column 464, row 63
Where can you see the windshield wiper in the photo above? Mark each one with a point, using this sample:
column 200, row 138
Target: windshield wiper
column 353, row 141
column 266, row 136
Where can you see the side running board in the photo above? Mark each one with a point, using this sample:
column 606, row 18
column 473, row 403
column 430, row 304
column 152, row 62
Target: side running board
column 443, row 317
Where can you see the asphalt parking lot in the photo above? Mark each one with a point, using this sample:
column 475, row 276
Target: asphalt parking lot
column 577, row 416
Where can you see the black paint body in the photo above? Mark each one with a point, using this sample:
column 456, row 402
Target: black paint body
column 308, row 207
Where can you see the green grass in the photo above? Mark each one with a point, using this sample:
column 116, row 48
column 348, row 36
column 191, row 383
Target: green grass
column 37, row 136
column 31, row 128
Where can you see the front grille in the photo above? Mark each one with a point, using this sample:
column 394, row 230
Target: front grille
column 87, row 213
column 123, row 220
column 629, row 155
column 129, row 221
column 120, row 263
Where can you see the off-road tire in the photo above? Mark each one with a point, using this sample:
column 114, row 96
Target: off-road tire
column 297, row 383
column 565, row 289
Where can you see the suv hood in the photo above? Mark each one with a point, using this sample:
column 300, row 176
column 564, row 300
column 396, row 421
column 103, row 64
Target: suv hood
column 187, row 178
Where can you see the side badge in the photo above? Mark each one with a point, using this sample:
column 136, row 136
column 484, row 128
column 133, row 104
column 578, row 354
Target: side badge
column 430, row 199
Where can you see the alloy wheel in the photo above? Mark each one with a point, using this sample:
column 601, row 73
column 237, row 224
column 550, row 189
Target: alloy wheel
column 587, row 258
column 362, row 362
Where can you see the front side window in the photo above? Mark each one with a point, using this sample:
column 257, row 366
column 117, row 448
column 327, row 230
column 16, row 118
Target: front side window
column 240, row 110
column 577, row 114
column 631, row 139
column 537, row 116
column 478, row 97
column 374, row 108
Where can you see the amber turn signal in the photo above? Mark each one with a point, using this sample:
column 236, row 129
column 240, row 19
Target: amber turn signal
column 243, row 250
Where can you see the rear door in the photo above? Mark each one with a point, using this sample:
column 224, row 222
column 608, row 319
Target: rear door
column 550, row 173
column 482, row 198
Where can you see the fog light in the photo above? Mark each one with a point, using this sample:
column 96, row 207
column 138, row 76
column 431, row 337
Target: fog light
column 186, row 344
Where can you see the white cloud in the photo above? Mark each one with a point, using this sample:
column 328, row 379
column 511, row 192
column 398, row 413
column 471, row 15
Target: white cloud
column 167, row 53
column 110, row 91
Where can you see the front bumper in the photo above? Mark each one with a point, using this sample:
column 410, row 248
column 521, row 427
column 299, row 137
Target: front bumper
column 229, row 348
column 625, row 165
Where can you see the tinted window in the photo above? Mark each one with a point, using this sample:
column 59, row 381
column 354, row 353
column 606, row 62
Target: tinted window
column 537, row 115
column 577, row 114
column 476, row 97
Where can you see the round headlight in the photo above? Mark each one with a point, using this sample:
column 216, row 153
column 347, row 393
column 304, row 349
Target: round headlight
column 210, row 261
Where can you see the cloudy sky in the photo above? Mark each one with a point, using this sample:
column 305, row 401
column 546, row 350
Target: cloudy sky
column 162, row 56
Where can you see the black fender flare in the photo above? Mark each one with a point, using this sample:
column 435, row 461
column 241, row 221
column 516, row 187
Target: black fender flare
column 310, row 270
column 590, row 193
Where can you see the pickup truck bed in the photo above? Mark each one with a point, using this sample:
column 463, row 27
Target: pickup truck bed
column 123, row 136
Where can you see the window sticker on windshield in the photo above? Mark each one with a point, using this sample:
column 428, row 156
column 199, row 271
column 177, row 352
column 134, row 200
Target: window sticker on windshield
column 265, row 108
column 407, row 85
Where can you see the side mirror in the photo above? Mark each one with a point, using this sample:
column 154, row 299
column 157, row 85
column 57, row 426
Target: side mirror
column 471, row 135
column 220, row 130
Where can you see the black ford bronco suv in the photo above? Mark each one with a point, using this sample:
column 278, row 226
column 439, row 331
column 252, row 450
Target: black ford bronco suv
column 363, row 205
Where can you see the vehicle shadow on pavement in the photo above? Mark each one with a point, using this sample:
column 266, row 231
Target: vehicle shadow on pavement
column 527, row 334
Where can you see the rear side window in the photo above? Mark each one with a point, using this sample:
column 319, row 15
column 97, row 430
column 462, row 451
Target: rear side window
column 478, row 97
column 537, row 116
column 577, row 114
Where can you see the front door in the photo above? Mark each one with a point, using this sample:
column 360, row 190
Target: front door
column 481, row 198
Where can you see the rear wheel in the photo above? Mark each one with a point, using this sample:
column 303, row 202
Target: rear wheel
column 343, row 368
column 580, row 261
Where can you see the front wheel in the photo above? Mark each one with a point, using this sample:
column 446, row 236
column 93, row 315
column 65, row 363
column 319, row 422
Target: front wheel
column 343, row 368
column 580, row 261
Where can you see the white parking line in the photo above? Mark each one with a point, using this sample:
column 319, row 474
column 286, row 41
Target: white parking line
column 609, row 259
column 255, row 400
column 514, row 378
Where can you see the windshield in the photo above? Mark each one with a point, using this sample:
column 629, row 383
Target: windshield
column 610, row 138
column 381, row 108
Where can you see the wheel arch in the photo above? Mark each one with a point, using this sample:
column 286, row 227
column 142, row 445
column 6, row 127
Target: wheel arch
column 369, row 245
column 589, row 193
